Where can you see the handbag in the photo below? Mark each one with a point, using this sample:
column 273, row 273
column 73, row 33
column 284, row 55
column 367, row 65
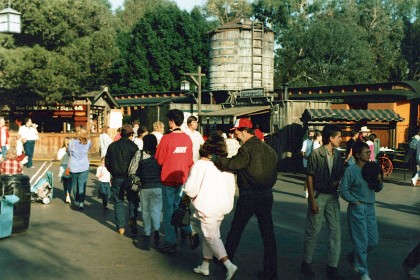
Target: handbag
column 182, row 216
column 135, row 184
column 67, row 172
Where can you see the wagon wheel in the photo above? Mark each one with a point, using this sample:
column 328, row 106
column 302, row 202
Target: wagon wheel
column 386, row 165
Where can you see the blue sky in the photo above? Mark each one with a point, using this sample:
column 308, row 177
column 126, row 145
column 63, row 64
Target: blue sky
column 182, row 4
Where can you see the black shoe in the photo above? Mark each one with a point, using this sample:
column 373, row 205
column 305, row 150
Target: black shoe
column 306, row 269
column 350, row 258
column 194, row 240
column 264, row 276
column 133, row 226
column 167, row 249
column 332, row 273
column 156, row 236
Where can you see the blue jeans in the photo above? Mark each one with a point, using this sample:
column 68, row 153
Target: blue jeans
column 29, row 147
column 120, row 186
column 67, row 185
column 79, row 181
column 151, row 204
column 171, row 198
column 3, row 151
column 105, row 188
column 363, row 233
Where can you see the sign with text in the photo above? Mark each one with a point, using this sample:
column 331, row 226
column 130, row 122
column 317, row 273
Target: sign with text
column 253, row 92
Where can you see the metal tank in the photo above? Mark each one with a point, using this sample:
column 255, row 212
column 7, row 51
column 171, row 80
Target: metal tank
column 241, row 56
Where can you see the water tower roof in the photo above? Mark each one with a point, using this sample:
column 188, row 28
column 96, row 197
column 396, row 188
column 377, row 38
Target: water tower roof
column 238, row 23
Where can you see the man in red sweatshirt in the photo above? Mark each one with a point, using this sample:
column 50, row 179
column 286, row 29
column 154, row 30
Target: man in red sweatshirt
column 174, row 154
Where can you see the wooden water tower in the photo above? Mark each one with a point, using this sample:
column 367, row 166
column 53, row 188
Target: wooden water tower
column 241, row 56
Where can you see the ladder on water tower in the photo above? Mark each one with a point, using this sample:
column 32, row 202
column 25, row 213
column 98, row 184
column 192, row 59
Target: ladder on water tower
column 257, row 54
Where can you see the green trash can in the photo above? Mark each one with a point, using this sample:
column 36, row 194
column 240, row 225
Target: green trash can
column 19, row 185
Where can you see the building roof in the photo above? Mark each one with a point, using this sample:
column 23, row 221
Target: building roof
column 239, row 111
column 321, row 115
column 389, row 92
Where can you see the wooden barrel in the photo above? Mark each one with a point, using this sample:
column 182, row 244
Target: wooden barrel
column 18, row 185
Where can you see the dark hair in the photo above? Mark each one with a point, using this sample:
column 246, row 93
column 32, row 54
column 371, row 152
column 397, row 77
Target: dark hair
column 142, row 129
column 25, row 120
column 358, row 146
column 215, row 144
column 372, row 137
column 150, row 143
column 317, row 133
column 176, row 115
column 353, row 133
column 249, row 130
column 191, row 119
column 330, row 130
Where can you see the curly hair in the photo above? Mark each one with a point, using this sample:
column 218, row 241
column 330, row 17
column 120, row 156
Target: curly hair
column 215, row 144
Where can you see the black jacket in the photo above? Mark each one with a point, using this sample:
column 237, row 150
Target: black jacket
column 256, row 166
column 118, row 157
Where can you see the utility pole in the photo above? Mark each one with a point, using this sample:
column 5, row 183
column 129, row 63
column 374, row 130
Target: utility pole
column 196, row 77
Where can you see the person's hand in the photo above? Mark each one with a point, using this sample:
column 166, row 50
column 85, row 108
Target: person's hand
column 314, row 206
column 335, row 184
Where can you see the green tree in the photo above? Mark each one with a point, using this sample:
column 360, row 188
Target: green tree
column 374, row 27
column 165, row 43
column 64, row 50
column 227, row 10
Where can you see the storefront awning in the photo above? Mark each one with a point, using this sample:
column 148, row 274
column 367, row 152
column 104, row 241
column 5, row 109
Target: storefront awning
column 239, row 111
column 312, row 115
column 153, row 101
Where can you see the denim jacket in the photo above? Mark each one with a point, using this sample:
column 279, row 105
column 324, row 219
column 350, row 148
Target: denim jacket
column 318, row 169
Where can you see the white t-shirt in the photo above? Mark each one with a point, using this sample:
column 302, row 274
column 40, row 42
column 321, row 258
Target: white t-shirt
column 197, row 140
column 103, row 174
column 28, row 133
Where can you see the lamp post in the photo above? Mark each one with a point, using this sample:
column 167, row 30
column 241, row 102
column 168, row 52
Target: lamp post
column 198, row 83
column 10, row 20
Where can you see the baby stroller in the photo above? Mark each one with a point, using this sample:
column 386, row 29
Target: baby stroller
column 42, row 187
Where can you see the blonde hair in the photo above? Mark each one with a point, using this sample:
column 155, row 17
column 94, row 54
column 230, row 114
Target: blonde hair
column 13, row 142
column 11, row 153
column 158, row 126
column 83, row 135
column 66, row 142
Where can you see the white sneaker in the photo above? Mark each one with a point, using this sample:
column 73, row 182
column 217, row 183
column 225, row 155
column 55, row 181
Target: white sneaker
column 365, row 277
column 231, row 271
column 201, row 270
column 68, row 200
column 414, row 179
column 306, row 194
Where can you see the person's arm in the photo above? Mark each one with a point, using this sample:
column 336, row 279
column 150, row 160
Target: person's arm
column 311, row 195
column 193, row 184
column 99, row 172
column 237, row 162
column 134, row 164
column 344, row 189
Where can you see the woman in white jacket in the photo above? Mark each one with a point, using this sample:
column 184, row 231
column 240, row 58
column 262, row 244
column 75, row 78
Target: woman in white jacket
column 212, row 193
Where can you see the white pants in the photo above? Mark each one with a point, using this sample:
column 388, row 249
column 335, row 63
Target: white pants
column 151, row 203
column 212, row 245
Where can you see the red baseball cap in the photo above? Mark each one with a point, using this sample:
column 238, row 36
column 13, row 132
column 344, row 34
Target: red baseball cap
column 242, row 123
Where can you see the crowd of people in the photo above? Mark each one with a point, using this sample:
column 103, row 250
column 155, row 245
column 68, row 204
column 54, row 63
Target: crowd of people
column 355, row 180
column 180, row 166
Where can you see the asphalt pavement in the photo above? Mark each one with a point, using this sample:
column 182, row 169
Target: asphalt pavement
column 66, row 243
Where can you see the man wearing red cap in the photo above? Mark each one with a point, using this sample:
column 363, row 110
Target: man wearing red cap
column 256, row 167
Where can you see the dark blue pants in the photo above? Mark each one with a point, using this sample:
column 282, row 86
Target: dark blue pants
column 29, row 147
column 120, row 187
column 246, row 207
